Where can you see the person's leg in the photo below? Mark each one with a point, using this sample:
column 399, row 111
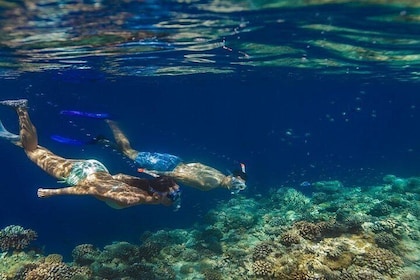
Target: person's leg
column 28, row 136
column 148, row 160
column 122, row 141
column 54, row 165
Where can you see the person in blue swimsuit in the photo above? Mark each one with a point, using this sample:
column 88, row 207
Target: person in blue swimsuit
column 194, row 174
column 88, row 177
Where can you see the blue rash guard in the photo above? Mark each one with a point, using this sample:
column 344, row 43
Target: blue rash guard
column 157, row 161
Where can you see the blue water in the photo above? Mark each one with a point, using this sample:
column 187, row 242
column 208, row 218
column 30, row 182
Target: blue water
column 225, row 97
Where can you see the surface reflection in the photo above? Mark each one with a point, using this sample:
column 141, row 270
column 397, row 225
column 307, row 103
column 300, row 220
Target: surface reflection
column 188, row 37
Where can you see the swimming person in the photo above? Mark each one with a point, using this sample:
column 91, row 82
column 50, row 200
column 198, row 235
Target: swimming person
column 194, row 174
column 88, row 177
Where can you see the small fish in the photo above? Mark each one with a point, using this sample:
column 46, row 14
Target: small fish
column 85, row 114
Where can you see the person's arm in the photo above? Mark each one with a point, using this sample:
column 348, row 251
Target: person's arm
column 115, row 193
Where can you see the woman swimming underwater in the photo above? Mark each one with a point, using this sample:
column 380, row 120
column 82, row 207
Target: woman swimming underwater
column 88, row 177
column 193, row 174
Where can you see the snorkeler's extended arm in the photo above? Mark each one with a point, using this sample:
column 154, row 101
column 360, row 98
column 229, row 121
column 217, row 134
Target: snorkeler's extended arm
column 113, row 192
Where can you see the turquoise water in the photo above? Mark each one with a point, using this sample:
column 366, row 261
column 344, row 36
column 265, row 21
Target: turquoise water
column 318, row 98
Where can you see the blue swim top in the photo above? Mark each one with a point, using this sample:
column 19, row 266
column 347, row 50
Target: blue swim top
column 157, row 161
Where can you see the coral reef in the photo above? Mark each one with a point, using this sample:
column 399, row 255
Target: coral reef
column 385, row 240
column 262, row 268
column 262, row 250
column 85, row 254
column 380, row 260
column 328, row 187
column 340, row 233
column 56, row 270
column 16, row 237
column 31, row 266
column 290, row 237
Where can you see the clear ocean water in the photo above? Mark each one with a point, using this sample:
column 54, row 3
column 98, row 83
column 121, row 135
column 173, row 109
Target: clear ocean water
column 299, row 91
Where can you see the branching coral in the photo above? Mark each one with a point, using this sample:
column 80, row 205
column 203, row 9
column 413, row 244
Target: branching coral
column 121, row 250
column 149, row 250
column 385, row 240
column 380, row 260
column 360, row 273
column 163, row 272
column 262, row 250
column 210, row 274
column 16, row 237
column 262, row 268
column 380, row 209
column 53, row 270
column 53, row 258
column 309, row 230
column 85, row 254
column 289, row 237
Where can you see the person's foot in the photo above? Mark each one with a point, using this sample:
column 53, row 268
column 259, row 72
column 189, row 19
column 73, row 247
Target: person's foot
column 16, row 103
column 4, row 134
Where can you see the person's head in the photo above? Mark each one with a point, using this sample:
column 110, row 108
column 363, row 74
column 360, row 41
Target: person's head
column 167, row 190
column 238, row 179
column 236, row 184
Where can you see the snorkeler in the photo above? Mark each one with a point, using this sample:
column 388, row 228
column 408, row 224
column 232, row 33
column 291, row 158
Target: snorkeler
column 88, row 177
column 194, row 174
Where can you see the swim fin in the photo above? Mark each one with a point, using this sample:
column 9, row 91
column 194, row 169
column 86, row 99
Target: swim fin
column 15, row 103
column 8, row 135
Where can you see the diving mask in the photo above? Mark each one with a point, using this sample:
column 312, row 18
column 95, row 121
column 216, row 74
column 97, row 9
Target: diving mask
column 237, row 184
column 175, row 197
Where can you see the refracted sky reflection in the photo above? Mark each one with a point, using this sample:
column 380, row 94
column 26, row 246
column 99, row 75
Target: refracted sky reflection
column 144, row 38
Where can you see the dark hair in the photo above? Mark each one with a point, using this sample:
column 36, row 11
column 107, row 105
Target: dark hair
column 162, row 183
column 240, row 173
column 158, row 184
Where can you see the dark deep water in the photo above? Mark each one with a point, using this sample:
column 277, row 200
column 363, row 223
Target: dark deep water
column 285, row 131
column 354, row 119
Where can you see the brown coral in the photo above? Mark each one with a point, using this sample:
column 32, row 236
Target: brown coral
column 262, row 250
column 289, row 237
column 55, row 271
column 385, row 240
column 16, row 237
column 262, row 268
column 85, row 254
column 381, row 260
column 308, row 230
column 53, row 258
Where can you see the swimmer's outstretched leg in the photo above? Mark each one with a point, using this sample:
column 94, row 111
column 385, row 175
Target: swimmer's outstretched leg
column 28, row 135
column 3, row 131
column 122, row 141
column 54, row 165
